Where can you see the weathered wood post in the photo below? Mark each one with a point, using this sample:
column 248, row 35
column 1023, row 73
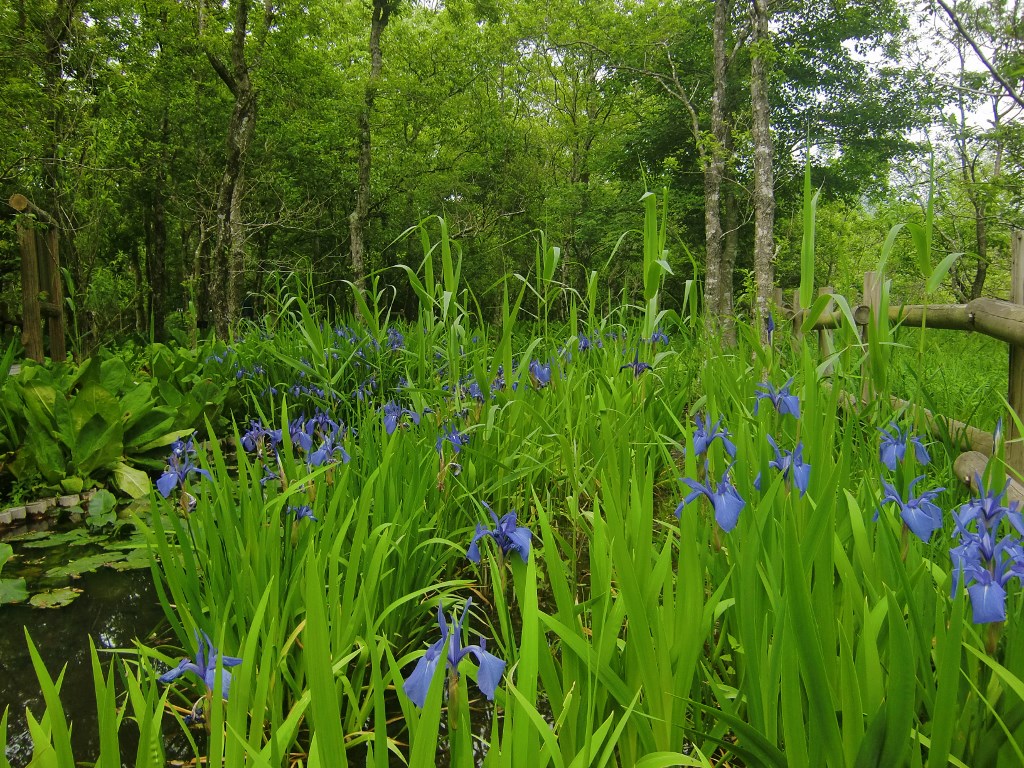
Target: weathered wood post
column 40, row 274
column 873, row 301
column 826, row 347
column 1015, row 394
column 31, row 319
column 796, row 310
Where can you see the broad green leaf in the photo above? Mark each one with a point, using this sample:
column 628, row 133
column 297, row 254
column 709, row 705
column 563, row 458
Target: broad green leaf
column 54, row 598
column 133, row 482
column 939, row 273
column 13, row 591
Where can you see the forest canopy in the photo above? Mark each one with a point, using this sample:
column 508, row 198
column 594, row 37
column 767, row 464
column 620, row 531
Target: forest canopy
column 197, row 154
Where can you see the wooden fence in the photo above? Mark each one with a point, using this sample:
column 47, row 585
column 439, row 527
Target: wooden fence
column 998, row 318
column 42, row 293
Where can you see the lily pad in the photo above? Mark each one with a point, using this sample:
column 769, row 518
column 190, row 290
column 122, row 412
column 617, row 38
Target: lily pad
column 28, row 536
column 101, row 509
column 88, row 564
column 136, row 560
column 13, row 591
column 126, row 545
column 75, row 538
column 54, row 598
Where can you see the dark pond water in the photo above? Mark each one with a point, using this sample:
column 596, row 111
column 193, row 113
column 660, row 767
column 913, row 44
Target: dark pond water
column 114, row 608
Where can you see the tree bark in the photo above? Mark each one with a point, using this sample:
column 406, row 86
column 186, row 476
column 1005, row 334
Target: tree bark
column 714, row 172
column 729, row 251
column 382, row 10
column 764, row 192
column 227, row 278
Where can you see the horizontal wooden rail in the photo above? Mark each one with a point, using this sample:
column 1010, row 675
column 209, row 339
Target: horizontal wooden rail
column 999, row 319
column 965, row 437
column 971, row 465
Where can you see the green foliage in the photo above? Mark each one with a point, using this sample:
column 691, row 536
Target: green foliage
column 77, row 426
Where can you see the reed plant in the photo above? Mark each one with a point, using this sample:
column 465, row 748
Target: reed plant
column 722, row 567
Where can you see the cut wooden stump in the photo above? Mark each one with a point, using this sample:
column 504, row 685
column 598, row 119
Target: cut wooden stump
column 970, row 466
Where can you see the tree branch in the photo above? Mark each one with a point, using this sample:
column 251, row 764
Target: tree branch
column 1010, row 90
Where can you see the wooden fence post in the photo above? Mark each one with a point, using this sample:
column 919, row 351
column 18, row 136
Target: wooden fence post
column 1015, row 394
column 31, row 318
column 826, row 348
column 796, row 309
column 873, row 301
column 51, row 282
column 40, row 272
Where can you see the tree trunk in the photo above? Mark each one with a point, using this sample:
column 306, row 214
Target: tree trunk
column 156, row 243
column 382, row 10
column 714, row 172
column 228, row 264
column 981, row 240
column 764, row 192
column 732, row 246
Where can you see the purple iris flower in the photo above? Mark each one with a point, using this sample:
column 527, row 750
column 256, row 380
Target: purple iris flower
column 322, row 425
column 305, row 512
column 984, row 561
column 637, row 366
column 724, row 498
column 784, row 401
column 986, row 581
column 540, row 373
column 259, row 437
column 659, row 336
column 989, row 511
column 488, row 676
column 297, row 431
column 393, row 414
column 509, row 536
column 452, row 435
column 791, row 465
column 706, row 433
column 396, row 340
column 474, row 391
column 179, row 467
column 328, row 450
column 893, row 448
column 205, row 666
column 770, row 327
column 921, row 515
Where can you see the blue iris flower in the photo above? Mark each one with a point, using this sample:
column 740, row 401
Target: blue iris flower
column 305, row 512
column 989, row 511
column 205, row 666
column 659, row 336
column 637, row 366
column 328, row 450
column 393, row 414
column 298, row 434
column 259, row 437
column 179, row 467
column 770, row 327
column 509, row 536
column 893, row 448
column 921, row 515
column 706, row 434
column 451, row 435
column 791, row 465
column 396, row 340
column 488, row 676
column 585, row 344
column 784, row 401
column 724, row 498
column 984, row 561
column 986, row 582
column 540, row 373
